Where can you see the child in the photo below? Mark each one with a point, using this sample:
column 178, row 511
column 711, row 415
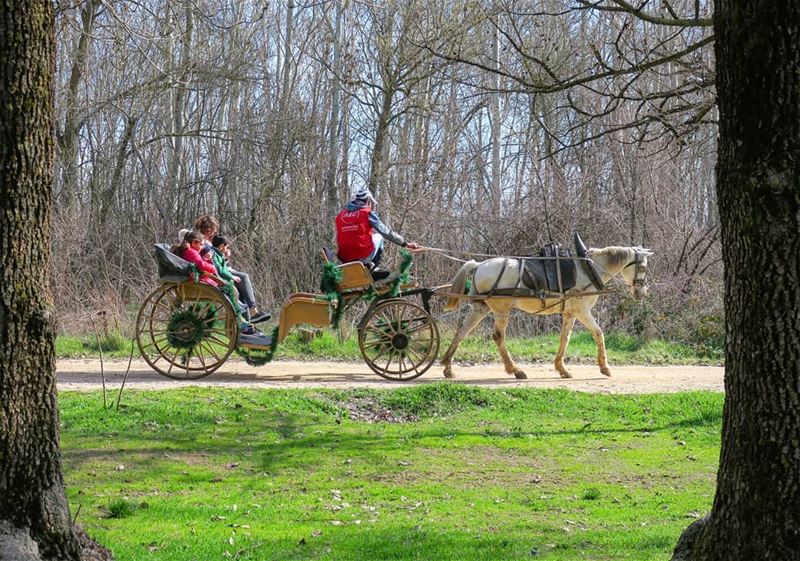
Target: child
column 208, row 226
column 192, row 249
column 221, row 247
column 205, row 254
column 189, row 249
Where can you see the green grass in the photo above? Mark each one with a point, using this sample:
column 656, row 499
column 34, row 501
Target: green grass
column 91, row 346
column 469, row 473
column 622, row 349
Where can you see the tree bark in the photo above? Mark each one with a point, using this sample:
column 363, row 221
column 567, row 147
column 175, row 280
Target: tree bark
column 755, row 513
column 32, row 499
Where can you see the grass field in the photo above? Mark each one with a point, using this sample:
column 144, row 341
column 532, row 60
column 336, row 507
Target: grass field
column 435, row 472
column 622, row 349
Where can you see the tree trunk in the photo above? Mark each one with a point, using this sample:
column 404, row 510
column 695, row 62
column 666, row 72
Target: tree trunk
column 755, row 513
column 32, row 500
column 380, row 150
column 176, row 166
column 494, row 112
column 331, row 200
column 68, row 140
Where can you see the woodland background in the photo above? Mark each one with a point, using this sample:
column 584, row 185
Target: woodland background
column 490, row 126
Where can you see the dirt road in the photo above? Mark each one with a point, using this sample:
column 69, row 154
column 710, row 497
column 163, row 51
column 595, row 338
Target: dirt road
column 85, row 375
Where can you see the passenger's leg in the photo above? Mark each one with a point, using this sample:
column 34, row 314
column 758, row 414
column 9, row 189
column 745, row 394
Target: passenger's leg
column 245, row 288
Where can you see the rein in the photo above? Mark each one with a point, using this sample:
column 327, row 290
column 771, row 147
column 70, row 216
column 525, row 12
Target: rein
column 448, row 254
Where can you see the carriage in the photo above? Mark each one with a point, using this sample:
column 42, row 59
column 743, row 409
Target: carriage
column 187, row 329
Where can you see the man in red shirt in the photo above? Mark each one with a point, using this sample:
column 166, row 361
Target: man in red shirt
column 360, row 233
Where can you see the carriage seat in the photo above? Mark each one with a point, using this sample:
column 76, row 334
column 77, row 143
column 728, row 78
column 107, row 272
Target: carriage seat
column 552, row 271
column 356, row 275
column 172, row 268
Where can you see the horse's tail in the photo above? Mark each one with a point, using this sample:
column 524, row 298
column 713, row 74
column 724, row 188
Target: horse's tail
column 459, row 283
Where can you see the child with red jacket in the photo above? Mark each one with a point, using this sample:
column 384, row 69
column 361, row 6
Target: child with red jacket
column 189, row 249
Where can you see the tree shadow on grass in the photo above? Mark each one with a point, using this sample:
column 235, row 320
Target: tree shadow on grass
column 285, row 441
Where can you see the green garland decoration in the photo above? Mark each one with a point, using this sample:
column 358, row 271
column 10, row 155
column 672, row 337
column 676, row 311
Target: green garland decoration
column 186, row 328
column 404, row 275
column 259, row 357
column 331, row 277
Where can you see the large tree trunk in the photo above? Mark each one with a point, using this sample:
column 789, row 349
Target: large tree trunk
column 32, row 500
column 756, row 512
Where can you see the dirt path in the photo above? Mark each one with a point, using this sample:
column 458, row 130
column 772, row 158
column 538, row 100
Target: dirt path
column 85, row 375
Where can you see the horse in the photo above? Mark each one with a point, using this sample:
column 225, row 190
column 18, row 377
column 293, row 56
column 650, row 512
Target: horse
column 503, row 274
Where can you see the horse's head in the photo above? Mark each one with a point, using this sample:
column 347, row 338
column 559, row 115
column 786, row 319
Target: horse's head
column 634, row 274
column 628, row 262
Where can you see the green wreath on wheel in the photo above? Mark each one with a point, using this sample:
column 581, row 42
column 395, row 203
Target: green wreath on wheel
column 187, row 328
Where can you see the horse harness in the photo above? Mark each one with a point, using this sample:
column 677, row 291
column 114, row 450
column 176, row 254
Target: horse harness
column 640, row 273
column 550, row 274
column 546, row 277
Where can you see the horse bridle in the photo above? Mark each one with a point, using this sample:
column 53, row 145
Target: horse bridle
column 639, row 275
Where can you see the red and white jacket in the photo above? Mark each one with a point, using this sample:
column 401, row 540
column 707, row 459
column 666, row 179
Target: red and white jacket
column 355, row 225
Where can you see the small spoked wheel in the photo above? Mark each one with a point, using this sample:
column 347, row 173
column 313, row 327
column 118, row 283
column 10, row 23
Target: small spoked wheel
column 398, row 339
column 186, row 331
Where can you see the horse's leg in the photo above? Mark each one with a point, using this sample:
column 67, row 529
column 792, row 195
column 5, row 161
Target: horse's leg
column 499, row 337
column 479, row 311
column 567, row 323
column 602, row 359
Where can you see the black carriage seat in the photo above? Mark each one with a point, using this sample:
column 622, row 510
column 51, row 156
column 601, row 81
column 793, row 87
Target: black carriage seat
column 548, row 273
column 171, row 268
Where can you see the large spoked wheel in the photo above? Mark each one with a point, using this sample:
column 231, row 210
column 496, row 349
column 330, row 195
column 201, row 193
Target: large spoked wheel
column 398, row 340
column 186, row 331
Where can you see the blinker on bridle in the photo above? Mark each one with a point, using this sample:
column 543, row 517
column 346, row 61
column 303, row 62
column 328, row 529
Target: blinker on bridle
column 640, row 272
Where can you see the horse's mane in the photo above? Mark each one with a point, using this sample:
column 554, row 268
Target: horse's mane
column 616, row 256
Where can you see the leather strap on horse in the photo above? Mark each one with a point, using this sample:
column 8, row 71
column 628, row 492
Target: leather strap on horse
column 591, row 271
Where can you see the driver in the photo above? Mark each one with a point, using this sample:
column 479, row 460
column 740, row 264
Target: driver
column 360, row 233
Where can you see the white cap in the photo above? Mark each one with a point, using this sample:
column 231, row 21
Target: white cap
column 363, row 194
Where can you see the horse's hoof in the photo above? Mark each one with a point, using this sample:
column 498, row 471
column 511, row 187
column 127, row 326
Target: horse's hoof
column 565, row 374
column 520, row 375
column 605, row 371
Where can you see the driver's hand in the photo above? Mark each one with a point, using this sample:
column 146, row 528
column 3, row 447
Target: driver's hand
column 412, row 245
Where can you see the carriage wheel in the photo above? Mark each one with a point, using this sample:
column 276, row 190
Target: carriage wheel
column 398, row 340
column 186, row 331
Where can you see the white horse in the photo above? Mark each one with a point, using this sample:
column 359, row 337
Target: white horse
column 628, row 262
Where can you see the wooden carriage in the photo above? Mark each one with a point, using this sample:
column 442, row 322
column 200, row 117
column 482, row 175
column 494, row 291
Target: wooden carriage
column 187, row 329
